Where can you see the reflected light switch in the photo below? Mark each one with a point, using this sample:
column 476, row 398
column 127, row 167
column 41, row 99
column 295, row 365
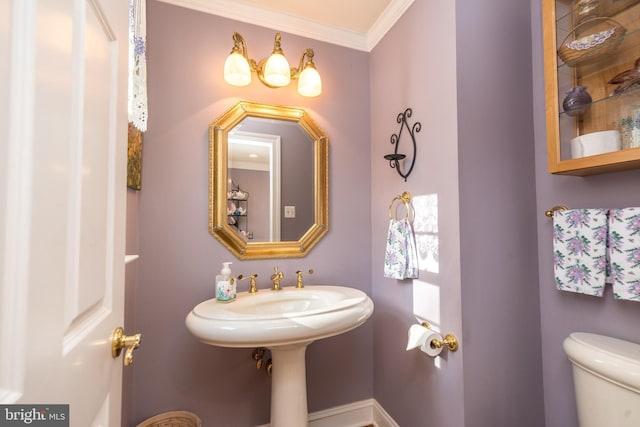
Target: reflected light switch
column 289, row 211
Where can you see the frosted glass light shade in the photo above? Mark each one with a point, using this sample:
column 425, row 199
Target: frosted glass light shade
column 276, row 70
column 236, row 70
column 309, row 82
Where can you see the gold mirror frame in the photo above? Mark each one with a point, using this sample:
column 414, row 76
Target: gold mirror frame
column 218, row 173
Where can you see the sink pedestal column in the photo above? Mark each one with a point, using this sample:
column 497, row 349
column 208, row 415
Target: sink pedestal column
column 289, row 386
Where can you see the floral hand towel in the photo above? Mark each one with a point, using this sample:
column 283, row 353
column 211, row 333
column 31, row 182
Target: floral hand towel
column 624, row 243
column 401, row 257
column 580, row 250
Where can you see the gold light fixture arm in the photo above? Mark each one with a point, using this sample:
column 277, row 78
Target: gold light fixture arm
column 240, row 46
column 295, row 72
column 277, row 45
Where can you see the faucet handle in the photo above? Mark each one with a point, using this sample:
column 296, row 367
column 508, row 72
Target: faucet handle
column 252, row 282
column 299, row 284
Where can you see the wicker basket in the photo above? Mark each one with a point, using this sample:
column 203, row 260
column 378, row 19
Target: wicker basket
column 604, row 37
column 172, row 419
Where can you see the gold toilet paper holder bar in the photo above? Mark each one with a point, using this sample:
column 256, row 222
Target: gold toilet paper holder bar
column 450, row 341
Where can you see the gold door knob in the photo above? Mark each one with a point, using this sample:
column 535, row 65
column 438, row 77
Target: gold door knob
column 119, row 341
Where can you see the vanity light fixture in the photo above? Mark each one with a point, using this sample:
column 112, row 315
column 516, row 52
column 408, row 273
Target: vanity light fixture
column 273, row 71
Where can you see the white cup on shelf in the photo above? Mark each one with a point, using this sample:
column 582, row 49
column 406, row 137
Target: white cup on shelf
column 594, row 143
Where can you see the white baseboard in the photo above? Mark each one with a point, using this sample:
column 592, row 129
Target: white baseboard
column 356, row 414
column 380, row 417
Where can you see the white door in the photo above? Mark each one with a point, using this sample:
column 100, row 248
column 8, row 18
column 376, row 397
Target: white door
column 63, row 134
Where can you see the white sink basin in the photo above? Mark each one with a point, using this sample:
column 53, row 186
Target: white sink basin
column 272, row 318
column 286, row 322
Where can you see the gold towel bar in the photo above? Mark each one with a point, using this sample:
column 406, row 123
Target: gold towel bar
column 550, row 212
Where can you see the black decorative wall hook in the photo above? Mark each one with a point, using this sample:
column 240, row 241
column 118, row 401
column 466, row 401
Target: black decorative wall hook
column 394, row 159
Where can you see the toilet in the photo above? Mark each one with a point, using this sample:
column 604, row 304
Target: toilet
column 606, row 375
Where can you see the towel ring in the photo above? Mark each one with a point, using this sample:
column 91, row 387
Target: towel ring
column 405, row 198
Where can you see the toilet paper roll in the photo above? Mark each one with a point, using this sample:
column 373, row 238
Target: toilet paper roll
column 417, row 336
column 426, row 346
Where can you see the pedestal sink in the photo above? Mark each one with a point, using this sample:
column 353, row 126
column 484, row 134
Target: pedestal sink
column 286, row 322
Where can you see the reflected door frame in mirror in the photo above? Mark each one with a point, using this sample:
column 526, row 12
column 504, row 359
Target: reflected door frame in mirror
column 218, row 181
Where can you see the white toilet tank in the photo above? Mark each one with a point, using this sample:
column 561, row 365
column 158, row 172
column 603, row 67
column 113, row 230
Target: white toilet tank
column 606, row 375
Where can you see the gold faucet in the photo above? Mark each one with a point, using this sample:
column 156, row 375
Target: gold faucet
column 275, row 278
column 299, row 284
column 252, row 282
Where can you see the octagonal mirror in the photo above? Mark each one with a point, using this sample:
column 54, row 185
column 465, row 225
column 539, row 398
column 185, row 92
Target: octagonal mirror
column 268, row 181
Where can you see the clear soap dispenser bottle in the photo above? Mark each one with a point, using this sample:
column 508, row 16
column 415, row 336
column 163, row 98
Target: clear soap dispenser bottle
column 225, row 284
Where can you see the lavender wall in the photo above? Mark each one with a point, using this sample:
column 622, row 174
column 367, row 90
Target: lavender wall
column 414, row 66
column 297, row 183
column 500, row 301
column 464, row 64
column 562, row 313
column 179, row 258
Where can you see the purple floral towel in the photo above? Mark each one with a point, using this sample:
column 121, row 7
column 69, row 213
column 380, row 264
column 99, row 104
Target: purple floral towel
column 401, row 257
column 580, row 250
column 624, row 242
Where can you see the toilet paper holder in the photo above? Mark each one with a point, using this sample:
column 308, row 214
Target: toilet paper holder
column 450, row 341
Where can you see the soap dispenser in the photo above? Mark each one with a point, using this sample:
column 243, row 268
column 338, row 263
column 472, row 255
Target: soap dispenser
column 225, row 284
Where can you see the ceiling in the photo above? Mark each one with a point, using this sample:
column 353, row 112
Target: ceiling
column 357, row 24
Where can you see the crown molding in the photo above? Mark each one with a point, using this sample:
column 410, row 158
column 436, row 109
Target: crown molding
column 386, row 21
column 253, row 14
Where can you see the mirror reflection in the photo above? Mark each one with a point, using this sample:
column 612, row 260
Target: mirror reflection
column 270, row 185
column 268, row 181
